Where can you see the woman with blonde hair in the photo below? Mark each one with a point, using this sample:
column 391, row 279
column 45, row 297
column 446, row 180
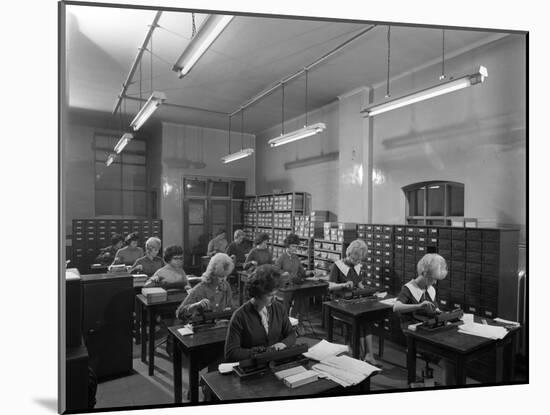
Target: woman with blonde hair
column 213, row 293
column 347, row 274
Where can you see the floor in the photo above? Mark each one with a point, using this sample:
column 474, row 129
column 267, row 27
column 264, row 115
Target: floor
column 141, row 389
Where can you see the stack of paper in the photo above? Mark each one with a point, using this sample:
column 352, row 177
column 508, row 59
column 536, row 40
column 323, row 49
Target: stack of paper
column 186, row 330
column 345, row 370
column 301, row 379
column 139, row 279
column 507, row 322
column 483, row 330
column 226, row 367
column 154, row 294
column 281, row 374
column 323, row 350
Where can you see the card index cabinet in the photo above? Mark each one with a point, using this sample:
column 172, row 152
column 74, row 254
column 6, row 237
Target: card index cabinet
column 91, row 235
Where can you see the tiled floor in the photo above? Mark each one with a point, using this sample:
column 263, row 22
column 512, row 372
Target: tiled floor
column 141, row 389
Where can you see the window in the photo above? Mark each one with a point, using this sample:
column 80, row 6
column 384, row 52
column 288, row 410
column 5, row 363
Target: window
column 121, row 188
column 434, row 202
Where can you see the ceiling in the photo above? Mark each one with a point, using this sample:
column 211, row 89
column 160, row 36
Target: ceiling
column 252, row 54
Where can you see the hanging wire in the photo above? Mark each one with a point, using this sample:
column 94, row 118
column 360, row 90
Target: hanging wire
column 283, row 109
column 229, row 135
column 388, row 69
column 442, row 77
column 242, row 128
column 306, row 73
column 193, row 28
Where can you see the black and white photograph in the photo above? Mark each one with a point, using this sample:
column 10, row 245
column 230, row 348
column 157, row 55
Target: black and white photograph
column 265, row 207
column 301, row 209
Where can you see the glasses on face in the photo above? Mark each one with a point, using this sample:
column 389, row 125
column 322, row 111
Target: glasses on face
column 178, row 257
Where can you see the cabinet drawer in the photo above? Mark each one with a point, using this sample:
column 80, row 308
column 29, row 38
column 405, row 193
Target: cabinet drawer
column 443, row 284
column 458, row 233
column 378, row 228
column 369, row 235
column 378, row 237
column 421, row 231
column 473, row 246
column 410, row 239
column 457, row 266
column 492, row 236
column 457, row 284
column 489, row 291
column 472, row 289
column 360, row 234
column 444, row 244
column 490, row 246
column 490, row 258
column 473, row 267
column 409, row 230
column 399, row 239
column 387, row 246
column 456, row 254
column 409, row 248
column 400, row 230
column 388, row 229
column 433, row 232
column 473, row 235
column 387, row 262
column 458, row 244
column 410, row 266
column 386, row 237
column 444, row 233
column 431, row 241
column 387, row 254
column 488, row 302
column 473, row 278
column 421, row 250
column 473, row 256
column 409, row 275
column 378, row 244
column 399, row 247
column 489, row 269
column 421, row 240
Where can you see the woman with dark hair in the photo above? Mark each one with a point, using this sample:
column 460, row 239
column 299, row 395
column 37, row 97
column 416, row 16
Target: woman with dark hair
column 259, row 323
column 108, row 254
column 171, row 275
column 217, row 244
column 259, row 255
column 213, row 293
column 131, row 252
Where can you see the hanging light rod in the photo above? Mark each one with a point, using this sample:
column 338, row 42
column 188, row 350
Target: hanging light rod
column 301, row 71
column 298, row 134
column 241, row 154
column 431, row 92
column 154, row 101
column 110, row 159
column 209, row 31
column 137, row 59
column 123, row 142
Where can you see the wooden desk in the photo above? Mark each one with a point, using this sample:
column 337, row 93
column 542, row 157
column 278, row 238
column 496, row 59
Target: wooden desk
column 149, row 314
column 230, row 387
column 459, row 348
column 356, row 313
column 199, row 348
column 305, row 290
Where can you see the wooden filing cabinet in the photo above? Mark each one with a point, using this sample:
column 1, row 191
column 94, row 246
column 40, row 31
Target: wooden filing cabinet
column 107, row 306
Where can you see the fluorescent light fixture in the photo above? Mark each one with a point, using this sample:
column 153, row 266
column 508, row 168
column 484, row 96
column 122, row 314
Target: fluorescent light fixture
column 307, row 131
column 148, row 109
column 245, row 152
column 123, row 142
column 434, row 91
column 110, row 159
column 212, row 27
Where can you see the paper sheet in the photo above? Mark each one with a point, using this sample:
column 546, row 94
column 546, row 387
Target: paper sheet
column 324, row 350
column 483, row 330
column 389, row 301
column 511, row 323
column 184, row 331
column 345, row 370
column 226, row 367
column 293, row 321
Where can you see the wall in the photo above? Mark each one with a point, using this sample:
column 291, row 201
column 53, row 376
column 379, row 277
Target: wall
column 475, row 136
column 182, row 150
column 321, row 180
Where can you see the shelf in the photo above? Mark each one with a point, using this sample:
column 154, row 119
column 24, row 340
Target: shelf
column 323, row 259
column 331, row 251
column 282, row 227
column 329, row 241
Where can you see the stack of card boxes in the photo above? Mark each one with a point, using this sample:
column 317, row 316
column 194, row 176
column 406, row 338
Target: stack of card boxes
column 339, row 231
column 154, row 294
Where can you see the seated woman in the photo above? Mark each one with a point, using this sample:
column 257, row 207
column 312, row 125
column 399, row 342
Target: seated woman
column 259, row 323
column 213, row 293
column 107, row 254
column 260, row 255
column 171, row 275
column 347, row 274
column 292, row 272
column 418, row 296
column 131, row 252
column 238, row 248
column 150, row 263
column 218, row 244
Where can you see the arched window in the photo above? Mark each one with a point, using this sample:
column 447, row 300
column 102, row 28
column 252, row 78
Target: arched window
column 434, row 203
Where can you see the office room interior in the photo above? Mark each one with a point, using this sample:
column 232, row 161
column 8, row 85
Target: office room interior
column 395, row 153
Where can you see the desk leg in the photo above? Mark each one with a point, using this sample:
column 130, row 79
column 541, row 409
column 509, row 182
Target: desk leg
column 143, row 330
column 193, row 379
column 460, row 371
column 380, row 345
column 411, row 360
column 355, row 339
column 151, row 340
column 176, row 371
column 330, row 323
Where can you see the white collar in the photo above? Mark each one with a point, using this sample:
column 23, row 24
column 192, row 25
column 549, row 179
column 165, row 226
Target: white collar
column 345, row 268
column 418, row 292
